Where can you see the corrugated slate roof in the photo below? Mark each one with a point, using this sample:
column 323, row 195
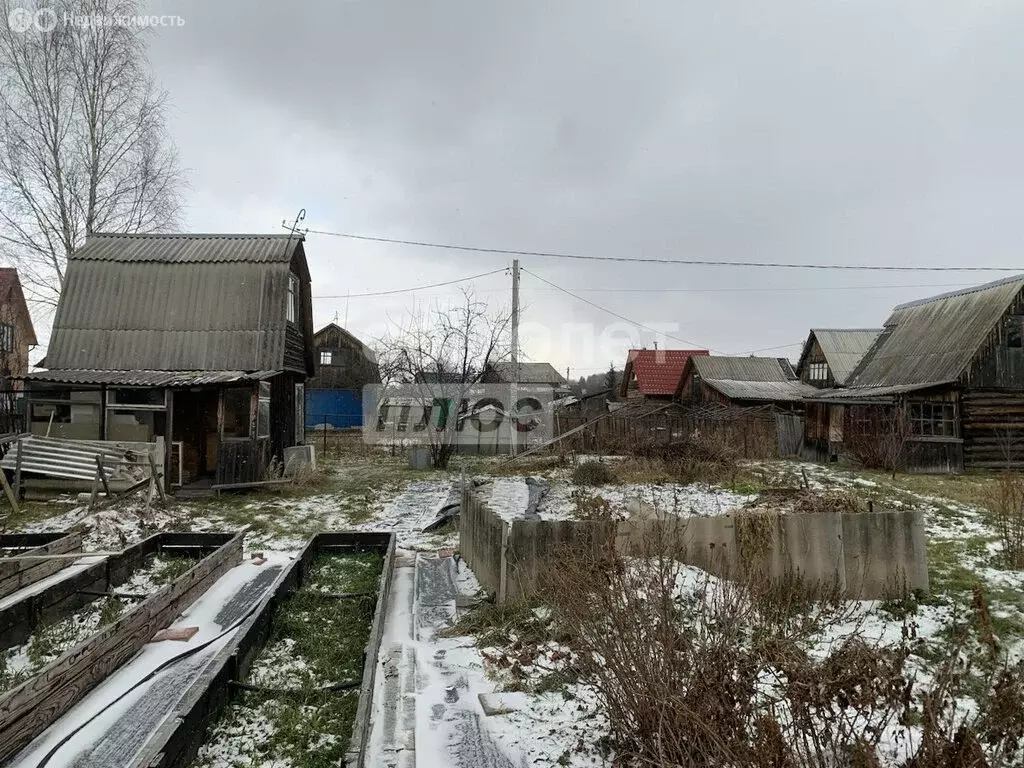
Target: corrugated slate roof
column 188, row 249
column 657, row 371
column 719, row 367
column 870, row 393
column 174, row 303
column 767, row 391
column 148, row 378
column 932, row 341
column 843, row 349
column 529, row 373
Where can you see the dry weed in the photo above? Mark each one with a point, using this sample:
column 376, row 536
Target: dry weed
column 1006, row 501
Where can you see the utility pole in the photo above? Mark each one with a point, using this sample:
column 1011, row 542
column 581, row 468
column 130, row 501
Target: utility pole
column 515, row 355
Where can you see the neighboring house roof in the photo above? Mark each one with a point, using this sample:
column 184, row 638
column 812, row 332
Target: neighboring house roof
column 10, row 289
column 744, row 368
column 933, row 341
column 657, row 371
column 843, row 349
column 352, row 340
column 434, row 377
column 767, row 391
column 529, row 373
column 177, row 303
column 769, row 379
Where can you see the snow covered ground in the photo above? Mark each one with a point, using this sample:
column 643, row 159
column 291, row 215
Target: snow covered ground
column 561, row 727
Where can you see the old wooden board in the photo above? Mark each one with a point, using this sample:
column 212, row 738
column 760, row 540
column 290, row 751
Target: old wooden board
column 29, row 709
column 129, row 710
column 68, row 589
column 16, row 574
column 175, row 745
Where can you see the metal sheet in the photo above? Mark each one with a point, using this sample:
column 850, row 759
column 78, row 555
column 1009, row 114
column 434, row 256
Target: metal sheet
column 148, row 378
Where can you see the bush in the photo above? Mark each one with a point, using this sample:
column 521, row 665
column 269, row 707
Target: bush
column 1006, row 502
column 592, row 473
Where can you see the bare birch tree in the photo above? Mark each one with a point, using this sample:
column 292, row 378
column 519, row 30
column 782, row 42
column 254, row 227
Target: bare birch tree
column 443, row 352
column 83, row 141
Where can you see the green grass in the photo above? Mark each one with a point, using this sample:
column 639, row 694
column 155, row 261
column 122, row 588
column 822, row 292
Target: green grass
column 310, row 728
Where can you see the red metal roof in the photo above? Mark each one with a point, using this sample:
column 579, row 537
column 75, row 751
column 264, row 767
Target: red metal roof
column 658, row 371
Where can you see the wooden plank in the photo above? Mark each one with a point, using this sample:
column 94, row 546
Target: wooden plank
column 16, row 572
column 255, row 484
column 29, row 709
column 103, row 475
column 9, row 492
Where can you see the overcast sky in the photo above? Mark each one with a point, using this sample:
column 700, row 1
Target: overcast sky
column 842, row 132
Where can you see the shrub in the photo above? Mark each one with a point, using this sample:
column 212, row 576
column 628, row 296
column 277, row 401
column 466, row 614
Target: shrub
column 1006, row 501
column 592, row 473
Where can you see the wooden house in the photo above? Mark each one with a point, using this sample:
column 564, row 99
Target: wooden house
column 830, row 355
column 743, row 382
column 17, row 336
column 943, row 384
column 828, row 359
column 344, row 366
column 654, row 374
column 205, row 341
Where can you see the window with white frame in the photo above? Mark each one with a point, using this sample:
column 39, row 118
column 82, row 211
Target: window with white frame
column 326, row 357
column 293, row 298
column 817, row 371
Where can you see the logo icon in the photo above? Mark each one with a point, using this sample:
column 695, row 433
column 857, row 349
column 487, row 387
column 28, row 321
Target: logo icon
column 20, row 19
column 46, row 19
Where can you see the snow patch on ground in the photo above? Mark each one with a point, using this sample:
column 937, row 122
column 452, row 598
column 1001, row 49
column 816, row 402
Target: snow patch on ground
column 698, row 500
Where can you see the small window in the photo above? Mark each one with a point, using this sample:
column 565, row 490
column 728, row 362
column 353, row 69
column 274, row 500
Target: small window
column 152, row 397
column 263, row 411
column 326, row 357
column 6, row 337
column 293, row 298
column 237, row 408
column 1013, row 333
column 817, row 372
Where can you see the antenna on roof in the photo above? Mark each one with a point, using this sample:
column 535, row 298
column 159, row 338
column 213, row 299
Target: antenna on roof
column 655, row 345
column 294, row 228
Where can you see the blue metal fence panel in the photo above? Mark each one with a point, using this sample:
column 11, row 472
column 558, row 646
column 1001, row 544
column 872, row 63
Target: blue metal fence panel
column 340, row 408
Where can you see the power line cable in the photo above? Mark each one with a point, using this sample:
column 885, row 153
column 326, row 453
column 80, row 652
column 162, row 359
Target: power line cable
column 655, row 260
column 417, row 288
column 612, row 313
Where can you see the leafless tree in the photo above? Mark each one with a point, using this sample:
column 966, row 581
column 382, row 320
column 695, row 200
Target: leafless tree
column 877, row 435
column 83, row 141
column 443, row 352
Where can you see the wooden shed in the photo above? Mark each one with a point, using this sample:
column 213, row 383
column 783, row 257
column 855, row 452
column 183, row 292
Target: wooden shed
column 205, row 341
column 944, row 381
column 742, row 381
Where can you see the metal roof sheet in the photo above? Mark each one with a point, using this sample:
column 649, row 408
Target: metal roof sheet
column 189, row 249
column 529, row 373
column 935, row 339
column 843, row 348
column 871, row 393
column 658, row 371
column 768, row 391
column 720, row 367
column 147, row 378
column 174, row 303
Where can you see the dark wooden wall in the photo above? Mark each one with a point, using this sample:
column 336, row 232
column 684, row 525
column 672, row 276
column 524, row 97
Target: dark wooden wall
column 282, row 412
column 350, row 369
column 294, row 349
column 992, row 425
column 815, row 355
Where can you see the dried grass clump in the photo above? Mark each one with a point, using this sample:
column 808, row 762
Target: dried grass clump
column 833, row 500
column 720, row 673
column 593, row 473
column 1006, row 501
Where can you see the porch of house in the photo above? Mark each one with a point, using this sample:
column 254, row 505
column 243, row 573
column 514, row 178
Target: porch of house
column 219, row 431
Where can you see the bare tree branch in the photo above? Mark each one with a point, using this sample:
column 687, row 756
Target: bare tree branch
column 83, row 141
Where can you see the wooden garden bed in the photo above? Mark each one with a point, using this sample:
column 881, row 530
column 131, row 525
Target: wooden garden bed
column 30, row 708
column 17, row 574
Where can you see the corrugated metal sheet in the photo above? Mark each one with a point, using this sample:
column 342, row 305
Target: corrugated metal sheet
column 189, row 249
column 843, row 348
column 767, row 391
column 934, row 340
column 529, row 373
column 657, row 371
column 744, row 368
column 76, row 459
column 194, row 308
column 872, row 393
column 148, row 378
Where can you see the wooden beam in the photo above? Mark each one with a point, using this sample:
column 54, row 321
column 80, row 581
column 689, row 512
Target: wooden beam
column 9, row 491
column 30, row 708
